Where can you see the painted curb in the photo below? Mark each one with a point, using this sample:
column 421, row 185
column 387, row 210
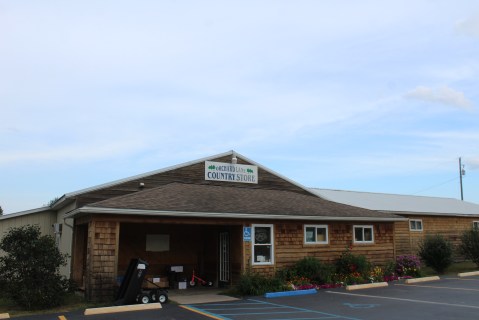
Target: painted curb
column 425, row 279
column 289, row 293
column 366, row 286
column 117, row 309
column 4, row 316
column 468, row 274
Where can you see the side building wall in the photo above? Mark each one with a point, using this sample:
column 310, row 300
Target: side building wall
column 44, row 220
column 290, row 247
column 451, row 227
column 64, row 239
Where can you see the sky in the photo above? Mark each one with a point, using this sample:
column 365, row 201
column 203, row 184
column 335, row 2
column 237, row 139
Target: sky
column 374, row 96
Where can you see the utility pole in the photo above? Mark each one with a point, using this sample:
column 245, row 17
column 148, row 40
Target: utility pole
column 462, row 172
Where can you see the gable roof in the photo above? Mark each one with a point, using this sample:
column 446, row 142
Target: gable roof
column 203, row 200
column 403, row 204
column 64, row 199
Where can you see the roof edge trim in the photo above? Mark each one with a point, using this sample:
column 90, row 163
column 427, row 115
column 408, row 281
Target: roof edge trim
column 414, row 213
column 229, row 215
column 24, row 213
column 174, row 167
column 142, row 175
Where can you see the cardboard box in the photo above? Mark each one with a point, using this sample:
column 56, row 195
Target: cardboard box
column 160, row 281
column 176, row 268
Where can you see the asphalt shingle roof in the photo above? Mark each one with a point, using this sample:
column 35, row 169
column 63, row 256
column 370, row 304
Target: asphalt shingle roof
column 183, row 197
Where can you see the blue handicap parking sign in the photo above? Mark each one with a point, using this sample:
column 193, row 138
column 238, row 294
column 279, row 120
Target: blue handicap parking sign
column 246, row 233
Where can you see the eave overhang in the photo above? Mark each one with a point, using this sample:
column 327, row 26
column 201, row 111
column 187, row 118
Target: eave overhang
column 229, row 215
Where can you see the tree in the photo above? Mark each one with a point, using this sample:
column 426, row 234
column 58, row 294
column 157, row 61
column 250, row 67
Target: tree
column 30, row 268
column 51, row 202
column 436, row 252
column 469, row 246
column 1, row 211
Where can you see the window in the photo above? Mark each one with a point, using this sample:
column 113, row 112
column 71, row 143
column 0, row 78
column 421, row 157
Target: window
column 475, row 224
column 263, row 244
column 363, row 234
column 316, row 234
column 415, row 225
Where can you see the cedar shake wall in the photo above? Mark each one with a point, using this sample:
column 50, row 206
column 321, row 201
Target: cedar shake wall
column 191, row 174
column 102, row 256
column 111, row 244
column 289, row 245
column 450, row 227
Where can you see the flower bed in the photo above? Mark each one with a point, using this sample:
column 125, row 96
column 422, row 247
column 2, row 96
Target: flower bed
column 311, row 274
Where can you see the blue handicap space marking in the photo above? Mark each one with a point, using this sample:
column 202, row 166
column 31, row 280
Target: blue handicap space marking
column 361, row 306
column 256, row 309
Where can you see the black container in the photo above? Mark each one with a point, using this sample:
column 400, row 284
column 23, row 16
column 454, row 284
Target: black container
column 132, row 282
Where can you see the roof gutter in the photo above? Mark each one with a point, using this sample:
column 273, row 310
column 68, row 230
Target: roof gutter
column 444, row 214
column 24, row 213
column 92, row 210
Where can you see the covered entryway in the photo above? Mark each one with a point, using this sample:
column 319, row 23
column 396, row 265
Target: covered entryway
column 104, row 250
column 202, row 248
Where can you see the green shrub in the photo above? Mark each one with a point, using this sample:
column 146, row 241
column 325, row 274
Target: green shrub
column 349, row 263
column 390, row 269
column 308, row 267
column 326, row 274
column 30, row 268
column 254, row 284
column 469, row 246
column 352, row 268
column 436, row 252
column 312, row 268
column 286, row 274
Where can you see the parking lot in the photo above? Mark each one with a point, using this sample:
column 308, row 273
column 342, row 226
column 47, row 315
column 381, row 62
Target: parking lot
column 448, row 298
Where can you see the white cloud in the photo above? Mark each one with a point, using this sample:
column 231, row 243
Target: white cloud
column 443, row 95
column 469, row 26
column 472, row 163
column 64, row 153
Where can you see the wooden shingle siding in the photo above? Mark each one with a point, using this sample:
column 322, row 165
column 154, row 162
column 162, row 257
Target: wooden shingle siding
column 289, row 245
column 102, row 259
column 190, row 174
column 451, row 227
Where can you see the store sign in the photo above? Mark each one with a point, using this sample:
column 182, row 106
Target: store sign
column 229, row 172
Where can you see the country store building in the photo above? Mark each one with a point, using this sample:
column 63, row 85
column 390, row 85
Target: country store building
column 218, row 216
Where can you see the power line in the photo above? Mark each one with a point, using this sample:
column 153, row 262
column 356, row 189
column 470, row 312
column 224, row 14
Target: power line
column 436, row 185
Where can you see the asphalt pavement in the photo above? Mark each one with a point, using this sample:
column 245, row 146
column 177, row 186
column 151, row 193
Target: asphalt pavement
column 449, row 298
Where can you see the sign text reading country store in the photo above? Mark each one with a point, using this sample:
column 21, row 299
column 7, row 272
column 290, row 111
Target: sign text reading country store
column 219, row 171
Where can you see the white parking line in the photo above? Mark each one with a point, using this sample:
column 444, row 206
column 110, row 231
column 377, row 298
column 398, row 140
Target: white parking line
column 282, row 312
column 436, row 287
column 461, row 279
column 408, row 300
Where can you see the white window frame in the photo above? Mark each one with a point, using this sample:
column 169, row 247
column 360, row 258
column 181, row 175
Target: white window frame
column 363, row 227
column 415, row 224
column 475, row 224
column 254, row 244
column 316, row 227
